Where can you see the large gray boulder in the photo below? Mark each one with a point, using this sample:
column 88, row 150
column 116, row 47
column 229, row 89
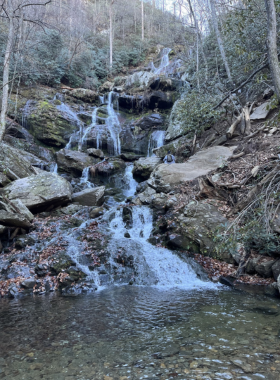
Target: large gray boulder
column 13, row 164
column 14, row 214
column 90, row 197
column 74, row 162
column 261, row 112
column 196, row 228
column 144, row 167
column 39, row 192
column 165, row 176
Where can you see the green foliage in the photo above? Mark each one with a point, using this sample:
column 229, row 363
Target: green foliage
column 194, row 112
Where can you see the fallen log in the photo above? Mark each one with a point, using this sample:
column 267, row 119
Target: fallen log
column 232, row 128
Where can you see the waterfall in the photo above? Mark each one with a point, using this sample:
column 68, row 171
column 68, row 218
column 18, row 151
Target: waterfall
column 85, row 178
column 156, row 141
column 54, row 169
column 64, row 108
column 167, row 268
column 163, row 64
column 93, row 124
column 113, row 124
column 130, row 184
column 25, row 113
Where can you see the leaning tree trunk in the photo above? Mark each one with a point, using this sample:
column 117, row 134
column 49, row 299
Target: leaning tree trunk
column 272, row 45
column 5, row 94
column 219, row 39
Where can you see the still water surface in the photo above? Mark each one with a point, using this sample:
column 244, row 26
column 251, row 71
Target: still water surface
column 129, row 332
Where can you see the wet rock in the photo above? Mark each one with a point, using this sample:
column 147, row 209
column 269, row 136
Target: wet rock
column 97, row 153
column 144, row 198
column 127, row 235
column 127, row 217
column 145, row 166
column 12, row 163
column 13, row 291
column 247, row 368
column 264, row 267
column 23, row 240
column 28, row 283
column 75, row 273
column 90, row 197
column 61, row 263
column 96, row 212
column 41, row 191
column 161, row 100
column 69, row 210
column 42, row 269
column 165, row 177
column 159, row 202
column 85, row 95
column 130, row 157
column 14, row 220
column 151, row 121
column 2, row 229
column 74, row 162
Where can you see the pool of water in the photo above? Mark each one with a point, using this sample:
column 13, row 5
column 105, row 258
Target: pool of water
column 131, row 332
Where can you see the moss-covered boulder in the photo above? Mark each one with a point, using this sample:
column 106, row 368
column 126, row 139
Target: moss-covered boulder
column 85, row 95
column 48, row 125
column 145, row 166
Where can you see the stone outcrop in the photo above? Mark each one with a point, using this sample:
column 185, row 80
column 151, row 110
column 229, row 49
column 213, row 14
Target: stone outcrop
column 73, row 162
column 14, row 214
column 90, row 197
column 165, row 176
column 40, row 192
column 144, row 167
column 183, row 144
column 196, row 228
column 108, row 167
column 13, row 164
column 148, row 122
column 85, row 95
column 97, row 153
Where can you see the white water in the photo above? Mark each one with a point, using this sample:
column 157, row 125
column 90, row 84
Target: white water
column 169, row 269
column 130, row 183
column 113, row 124
column 85, row 179
column 163, row 64
column 64, row 108
column 55, row 169
column 92, row 125
column 156, row 141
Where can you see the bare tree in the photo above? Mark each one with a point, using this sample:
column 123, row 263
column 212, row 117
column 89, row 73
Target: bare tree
column 111, row 31
column 219, row 39
column 13, row 12
column 272, row 45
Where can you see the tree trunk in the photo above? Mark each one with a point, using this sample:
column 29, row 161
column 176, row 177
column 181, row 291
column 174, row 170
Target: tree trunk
column 272, row 45
column 143, row 24
column 219, row 39
column 6, row 68
column 111, row 32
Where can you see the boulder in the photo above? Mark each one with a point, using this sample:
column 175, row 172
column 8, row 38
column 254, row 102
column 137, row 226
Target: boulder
column 49, row 124
column 73, row 162
column 13, row 220
column 276, row 269
column 85, row 95
column 4, row 180
column 22, row 209
column 110, row 166
column 145, row 166
column 28, row 283
column 90, row 197
column 130, row 157
column 97, row 153
column 106, row 87
column 264, row 267
column 165, row 177
column 41, row 191
column 196, row 228
column 148, row 122
column 161, row 100
column 183, row 144
column 144, row 198
column 251, row 265
column 261, row 112
column 12, row 163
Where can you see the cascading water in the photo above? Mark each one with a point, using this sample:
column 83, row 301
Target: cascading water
column 156, row 141
column 163, row 64
column 130, row 184
column 85, row 179
column 113, row 124
column 54, row 169
column 165, row 268
column 92, row 125
column 64, row 108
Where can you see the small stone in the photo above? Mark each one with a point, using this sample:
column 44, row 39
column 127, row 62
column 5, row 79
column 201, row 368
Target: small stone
column 162, row 365
column 193, row 365
column 186, row 371
column 30, row 354
column 108, row 377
